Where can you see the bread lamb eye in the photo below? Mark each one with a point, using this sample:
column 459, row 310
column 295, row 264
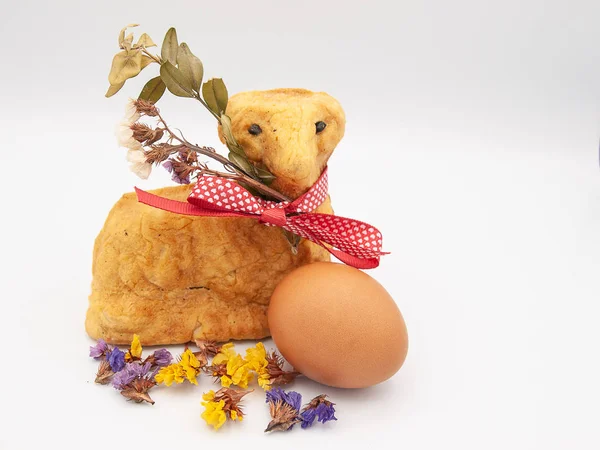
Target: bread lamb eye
column 320, row 126
column 254, row 129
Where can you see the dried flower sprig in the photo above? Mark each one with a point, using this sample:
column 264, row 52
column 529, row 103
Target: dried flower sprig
column 181, row 72
column 222, row 405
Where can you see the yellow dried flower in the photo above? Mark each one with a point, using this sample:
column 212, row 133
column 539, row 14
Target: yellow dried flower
column 213, row 413
column 264, row 380
column 169, row 374
column 222, row 405
column 231, row 367
column 256, row 357
column 190, row 365
column 187, row 368
column 135, row 351
column 226, row 352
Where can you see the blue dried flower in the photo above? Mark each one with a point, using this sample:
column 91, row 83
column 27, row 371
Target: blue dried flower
column 116, row 359
column 99, row 350
column 319, row 408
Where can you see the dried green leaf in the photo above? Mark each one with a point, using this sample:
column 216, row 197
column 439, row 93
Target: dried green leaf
column 215, row 95
column 176, row 82
column 113, row 89
column 126, row 64
column 153, row 90
column 265, row 176
column 190, row 66
column 145, row 41
column 229, row 138
column 236, row 148
column 170, row 47
column 122, row 34
column 241, row 162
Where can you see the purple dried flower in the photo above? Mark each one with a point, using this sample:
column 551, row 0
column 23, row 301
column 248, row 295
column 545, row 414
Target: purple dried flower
column 179, row 180
column 319, row 408
column 129, row 373
column 162, row 357
column 307, row 416
column 123, row 378
column 116, row 359
column 292, row 398
column 284, row 408
column 99, row 350
column 177, row 169
column 326, row 412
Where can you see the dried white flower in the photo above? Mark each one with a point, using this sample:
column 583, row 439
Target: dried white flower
column 131, row 112
column 138, row 164
column 124, row 135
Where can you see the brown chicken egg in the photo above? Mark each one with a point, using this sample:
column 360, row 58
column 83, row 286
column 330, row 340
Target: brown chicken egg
column 337, row 325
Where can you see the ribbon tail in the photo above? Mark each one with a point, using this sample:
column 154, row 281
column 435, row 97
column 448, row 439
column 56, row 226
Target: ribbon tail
column 370, row 262
column 178, row 207
column 354, row 261
column 166, row 204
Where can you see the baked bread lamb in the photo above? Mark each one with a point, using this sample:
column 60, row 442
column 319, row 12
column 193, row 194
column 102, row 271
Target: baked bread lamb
column 172, row 278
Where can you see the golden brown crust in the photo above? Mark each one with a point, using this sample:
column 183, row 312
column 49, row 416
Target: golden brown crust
column 173, row 278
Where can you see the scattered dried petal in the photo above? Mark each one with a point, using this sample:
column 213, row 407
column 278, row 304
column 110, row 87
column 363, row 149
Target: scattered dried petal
column 104, row 373
column 116, row 359
column 135, row 351
column 138, row 390
column 222, row 405
column 275, row 374
column 99, row 350
column 320, row 408
column 208, row 348
column 160, row 358
column 129, row 373
column 284, row 408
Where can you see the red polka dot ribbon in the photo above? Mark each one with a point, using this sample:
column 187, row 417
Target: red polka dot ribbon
column 355, row 243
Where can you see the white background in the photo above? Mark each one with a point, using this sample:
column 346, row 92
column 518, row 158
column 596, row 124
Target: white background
column 472, row 143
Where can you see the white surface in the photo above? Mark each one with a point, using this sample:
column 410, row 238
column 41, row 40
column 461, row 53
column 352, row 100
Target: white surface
column 479, row 121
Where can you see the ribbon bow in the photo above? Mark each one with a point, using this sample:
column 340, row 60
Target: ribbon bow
column 353, row 242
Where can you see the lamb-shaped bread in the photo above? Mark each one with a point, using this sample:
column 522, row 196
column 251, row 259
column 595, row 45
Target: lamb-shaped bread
column 172, row 278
